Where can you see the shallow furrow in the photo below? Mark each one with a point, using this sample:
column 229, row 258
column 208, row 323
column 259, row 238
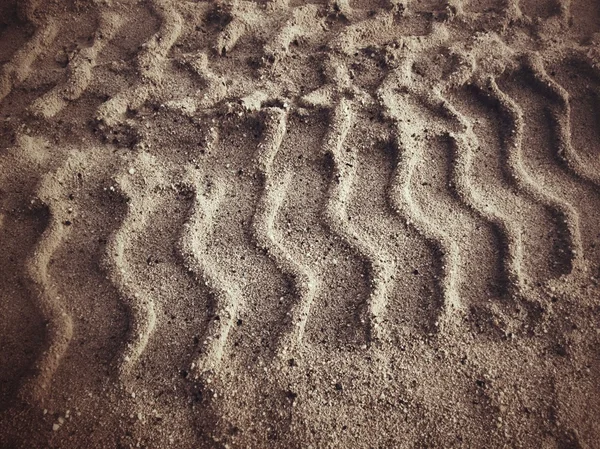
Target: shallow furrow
column 303, row 18
column 193, row 247
column 18, row 68
column 215, row 87
column 59, row 327
column 409, row 152
column 561, row 120
column 511, row 234
column 263, row 227
column 140, row 307
column 381, row 266
column 228, row 38
column 150, row 63
column 566, row 214
column 79, row 70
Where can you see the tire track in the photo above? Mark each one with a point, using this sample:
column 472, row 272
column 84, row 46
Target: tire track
column 236, row 15
column 464, row 144
column 342, row 278
column 150, row 63
column 303, row 18
column 288, row 246
column 141, row 310
column 479, row 275
column 79, row 70
column 193, row 248
column 401, row 199
column 471, row 244
column 579, row 197
column 59, row 327
column 305, row 281
column 578, row 191
column 380, row 265
column 521, row 219
column 565, row 214
column 265, row 291
column 18, row 68
column 560, row 116
column 412, row 297
column 215, row 88
column 580, row 77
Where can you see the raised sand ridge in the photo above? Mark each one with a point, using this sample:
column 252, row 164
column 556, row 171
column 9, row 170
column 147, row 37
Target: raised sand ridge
column 300, row 224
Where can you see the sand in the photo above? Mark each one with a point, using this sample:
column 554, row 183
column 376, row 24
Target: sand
column 345, row 224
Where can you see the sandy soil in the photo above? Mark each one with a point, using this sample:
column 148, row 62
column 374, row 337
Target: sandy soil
column 252, row 224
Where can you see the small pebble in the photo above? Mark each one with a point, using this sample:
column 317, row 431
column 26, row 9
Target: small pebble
column 55, row 427
column 132, row 171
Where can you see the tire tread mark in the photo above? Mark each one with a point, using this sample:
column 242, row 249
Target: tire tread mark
column 263, row 226
column 511, row 234
column 18, row 69
column 380, row 265
column 561, row 120
column 193, row 248
column 564, row 212
column 150, row 61
column 79, row 70
column 59, row 326
column 141, row 308
column 400, row 198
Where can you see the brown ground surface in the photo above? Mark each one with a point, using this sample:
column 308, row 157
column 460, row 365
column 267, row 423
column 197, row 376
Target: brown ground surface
column 251, row 224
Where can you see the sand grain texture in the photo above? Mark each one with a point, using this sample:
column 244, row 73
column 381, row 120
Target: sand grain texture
column 251, row 224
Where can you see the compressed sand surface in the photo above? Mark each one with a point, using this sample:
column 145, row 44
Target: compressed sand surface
column 288, row 224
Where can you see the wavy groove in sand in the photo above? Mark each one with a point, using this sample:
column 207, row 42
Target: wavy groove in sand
column 193, row 248
column 401, row 200
column 79, row 70
column 381, row 267
column 141, row 307
column 464, row 144
column 495, row 224
column 150, row 62
column 263, row 226
column 18, row 68
column 563, row 210
column 59, row 326
column 561, row 120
